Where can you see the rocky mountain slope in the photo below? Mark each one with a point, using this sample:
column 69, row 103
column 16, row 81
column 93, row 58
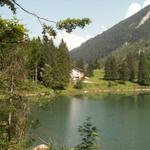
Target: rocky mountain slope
column 130, row 30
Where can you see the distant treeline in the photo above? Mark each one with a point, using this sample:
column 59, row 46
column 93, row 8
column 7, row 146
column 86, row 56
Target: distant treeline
column 134, row 68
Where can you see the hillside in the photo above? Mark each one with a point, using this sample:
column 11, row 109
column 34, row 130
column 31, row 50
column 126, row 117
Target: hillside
column 128, row 31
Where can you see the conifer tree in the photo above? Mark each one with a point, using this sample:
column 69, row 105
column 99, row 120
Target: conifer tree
column 90, row 69
column 96, row 64
column 49, row 62
column 124, row 71
column 35, row 49
column 144, row 72
column 107, row 69
column 57, row 65
column 131, row 61
column 63, row 66
column 80, row 64
column 111, row 69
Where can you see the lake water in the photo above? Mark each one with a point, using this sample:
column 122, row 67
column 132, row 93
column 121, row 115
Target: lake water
column 123, row 120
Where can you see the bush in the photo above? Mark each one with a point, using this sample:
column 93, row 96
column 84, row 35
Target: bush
column 78, row 85
column 121, row 82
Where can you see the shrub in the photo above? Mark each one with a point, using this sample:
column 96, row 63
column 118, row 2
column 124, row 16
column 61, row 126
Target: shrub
column 78, row 85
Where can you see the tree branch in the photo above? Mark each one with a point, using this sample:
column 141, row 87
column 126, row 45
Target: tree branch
column 33, row 14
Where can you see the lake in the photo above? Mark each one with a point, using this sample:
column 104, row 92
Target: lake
column 123, row 120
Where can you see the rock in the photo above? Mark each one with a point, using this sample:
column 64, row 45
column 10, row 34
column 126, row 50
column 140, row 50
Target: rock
column 41, row 147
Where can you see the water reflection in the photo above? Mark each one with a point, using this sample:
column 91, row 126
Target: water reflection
column 123, row 120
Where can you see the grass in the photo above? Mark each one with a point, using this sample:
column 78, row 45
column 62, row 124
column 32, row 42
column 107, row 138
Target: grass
column 93, row 85
column 30, row 89
column 97, row 84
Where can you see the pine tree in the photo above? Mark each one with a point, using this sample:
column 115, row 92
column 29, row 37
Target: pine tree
column 144, row 72
column 49, row 62
column 96, row 64
column 56, row 74
column 63, row 66
column 90, row 69
column 57, row 66
column 124, row 71
column 111, row 69
column 131, row 61
column 35, row 49
column 80, row 64
column 115, row 69
column 107, row 69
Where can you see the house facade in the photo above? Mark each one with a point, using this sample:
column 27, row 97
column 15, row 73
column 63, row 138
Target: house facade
column 76, row 74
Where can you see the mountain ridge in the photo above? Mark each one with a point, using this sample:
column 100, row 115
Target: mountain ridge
column 129, row 30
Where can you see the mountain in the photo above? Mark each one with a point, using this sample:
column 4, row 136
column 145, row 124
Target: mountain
column 130, row 30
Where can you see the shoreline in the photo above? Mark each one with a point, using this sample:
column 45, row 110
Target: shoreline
column 105, row 91
column 82, row 92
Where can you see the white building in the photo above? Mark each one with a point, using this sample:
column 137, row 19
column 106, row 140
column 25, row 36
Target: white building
column 41, row 147
column 76, row 74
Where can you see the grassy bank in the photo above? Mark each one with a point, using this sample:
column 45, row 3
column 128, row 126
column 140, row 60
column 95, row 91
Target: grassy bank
column 93, row 85
column 96, row 84
column 31, row 89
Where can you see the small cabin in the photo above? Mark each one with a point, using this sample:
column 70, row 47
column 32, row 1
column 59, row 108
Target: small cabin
column 76, row 74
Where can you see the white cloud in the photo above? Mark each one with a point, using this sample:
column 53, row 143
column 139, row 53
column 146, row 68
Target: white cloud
column 72, row 40
column 135, row 7
column 146, row 3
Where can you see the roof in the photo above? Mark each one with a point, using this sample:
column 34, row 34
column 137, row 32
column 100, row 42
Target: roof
column 81, row 70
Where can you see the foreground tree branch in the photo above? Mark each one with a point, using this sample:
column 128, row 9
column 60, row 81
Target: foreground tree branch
column 67, row 24
column 33, row 14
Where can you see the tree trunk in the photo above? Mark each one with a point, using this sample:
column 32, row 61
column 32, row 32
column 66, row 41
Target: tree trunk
column 36, row 73
column 10, row 113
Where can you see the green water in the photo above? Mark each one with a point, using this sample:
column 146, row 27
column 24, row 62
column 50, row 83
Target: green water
column 123, row 121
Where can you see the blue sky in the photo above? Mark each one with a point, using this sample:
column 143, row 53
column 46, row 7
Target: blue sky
column 103, row 13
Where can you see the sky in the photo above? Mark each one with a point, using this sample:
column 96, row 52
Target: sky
column 103, row 13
